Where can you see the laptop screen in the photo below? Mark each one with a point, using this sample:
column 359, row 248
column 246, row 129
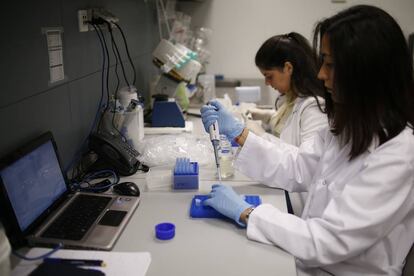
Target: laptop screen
column 33, row 183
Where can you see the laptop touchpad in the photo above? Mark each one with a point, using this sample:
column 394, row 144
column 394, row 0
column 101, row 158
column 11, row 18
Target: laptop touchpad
column 112, row 218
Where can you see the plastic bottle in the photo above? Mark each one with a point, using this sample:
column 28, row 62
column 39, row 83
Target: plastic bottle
column 226, row 158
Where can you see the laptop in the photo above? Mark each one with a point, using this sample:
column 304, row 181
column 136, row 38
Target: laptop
column 38, row 208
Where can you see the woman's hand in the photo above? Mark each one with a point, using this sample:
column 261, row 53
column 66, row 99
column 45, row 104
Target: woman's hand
column 227, row 202
column 228, row 124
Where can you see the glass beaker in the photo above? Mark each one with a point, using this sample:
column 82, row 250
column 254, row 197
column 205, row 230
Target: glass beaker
column 226, row 157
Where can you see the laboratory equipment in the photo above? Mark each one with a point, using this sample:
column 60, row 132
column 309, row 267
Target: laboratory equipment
column 226, row 157
column 177, row 61
column 185, row 174
column 167, row 114
column 248, row 94
column 199, row 210
column 126, row 94
column 229, row 125
column 133, row 124
column 215, row 140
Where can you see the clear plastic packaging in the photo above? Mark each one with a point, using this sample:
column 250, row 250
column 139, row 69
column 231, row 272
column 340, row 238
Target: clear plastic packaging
column 159, row 178
column 165, row 149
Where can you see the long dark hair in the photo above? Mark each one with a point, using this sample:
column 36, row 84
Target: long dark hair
column 373, row 76
column 294, row 48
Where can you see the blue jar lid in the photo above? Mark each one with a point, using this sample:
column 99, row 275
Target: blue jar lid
column 165, row 231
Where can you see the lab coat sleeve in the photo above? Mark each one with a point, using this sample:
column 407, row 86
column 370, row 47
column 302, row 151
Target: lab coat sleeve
column 369, row 207
column 279, row 164
column 311, row 119
column 270, row 137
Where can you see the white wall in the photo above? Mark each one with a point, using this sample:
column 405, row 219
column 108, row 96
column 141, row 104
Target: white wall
column 241, row 26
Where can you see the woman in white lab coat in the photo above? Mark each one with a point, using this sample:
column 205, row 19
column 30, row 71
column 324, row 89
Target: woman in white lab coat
column 288, row 64
column 359, row 172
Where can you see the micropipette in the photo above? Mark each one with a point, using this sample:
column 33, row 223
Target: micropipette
column 215, row 140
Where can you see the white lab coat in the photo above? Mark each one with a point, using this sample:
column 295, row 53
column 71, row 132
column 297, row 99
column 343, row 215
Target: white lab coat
column 359, row 214
column 302, row 124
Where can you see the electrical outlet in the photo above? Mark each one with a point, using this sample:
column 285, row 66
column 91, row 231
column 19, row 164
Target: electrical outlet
column 82, row 20
column 104, row 14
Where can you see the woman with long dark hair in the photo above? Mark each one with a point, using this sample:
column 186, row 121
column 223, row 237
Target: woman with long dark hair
column 288, row 64
column 359, row 172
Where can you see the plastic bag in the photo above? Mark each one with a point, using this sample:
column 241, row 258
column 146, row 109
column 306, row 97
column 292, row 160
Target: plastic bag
column 165, row 149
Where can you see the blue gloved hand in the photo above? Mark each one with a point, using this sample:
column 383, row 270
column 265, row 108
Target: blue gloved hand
column 228, row 125
column 227, row 202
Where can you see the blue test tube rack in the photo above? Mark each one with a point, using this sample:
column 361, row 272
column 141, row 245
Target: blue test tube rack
column 185, row 174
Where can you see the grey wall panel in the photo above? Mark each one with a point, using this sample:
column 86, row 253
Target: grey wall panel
column 24, row 70
column 35, row 115
column 84, row 96
column 24, row 49
column 22, row 20
column 84, row 102
column 29, row 105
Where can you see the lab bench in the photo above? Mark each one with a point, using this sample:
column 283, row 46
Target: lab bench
column 202, row 246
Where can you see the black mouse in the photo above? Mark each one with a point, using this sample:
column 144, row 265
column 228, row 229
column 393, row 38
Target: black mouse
column 126, row 189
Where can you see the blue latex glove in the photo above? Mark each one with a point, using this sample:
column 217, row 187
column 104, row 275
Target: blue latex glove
column 228, row 125
column 227, row 202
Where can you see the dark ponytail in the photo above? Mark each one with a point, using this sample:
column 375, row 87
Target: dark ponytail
column 293, row 48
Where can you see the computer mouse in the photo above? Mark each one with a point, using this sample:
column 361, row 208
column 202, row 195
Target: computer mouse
column 126, row 189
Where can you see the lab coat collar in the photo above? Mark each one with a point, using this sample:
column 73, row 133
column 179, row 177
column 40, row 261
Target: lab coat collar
column 374, row 144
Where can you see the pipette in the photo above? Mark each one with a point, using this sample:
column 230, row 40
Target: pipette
column 215, row 140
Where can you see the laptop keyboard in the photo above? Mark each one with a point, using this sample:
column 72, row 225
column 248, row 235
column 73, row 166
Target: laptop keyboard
column 77, row 218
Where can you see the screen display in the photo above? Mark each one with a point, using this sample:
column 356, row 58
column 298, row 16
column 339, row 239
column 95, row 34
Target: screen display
column 33, row 183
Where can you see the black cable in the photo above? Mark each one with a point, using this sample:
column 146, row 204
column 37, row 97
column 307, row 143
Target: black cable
column 104, row 55
column 117, row 78
column 108, row 64
column 88, row 178
column 116, row 66
column 99, row 107
column 127, row 51
column 107, row 73
column 119, row 56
